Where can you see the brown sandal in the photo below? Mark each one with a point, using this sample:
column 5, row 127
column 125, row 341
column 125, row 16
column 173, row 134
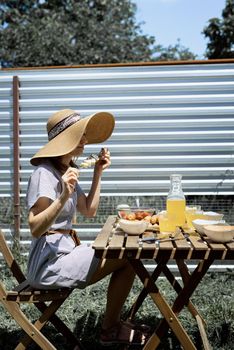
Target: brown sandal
column 141, row 327
column 129, row 336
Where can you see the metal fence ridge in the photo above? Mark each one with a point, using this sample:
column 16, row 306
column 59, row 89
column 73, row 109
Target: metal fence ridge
column 128, row 64
column 170, row 117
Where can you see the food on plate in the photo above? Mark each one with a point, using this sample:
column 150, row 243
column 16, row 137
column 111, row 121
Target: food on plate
column 123, row 214
column 154, row 219
column 148, row 218
column 131, row 216
column 138, row 215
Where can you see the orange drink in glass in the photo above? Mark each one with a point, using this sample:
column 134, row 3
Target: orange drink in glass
column 193, row 213
column 164, row 223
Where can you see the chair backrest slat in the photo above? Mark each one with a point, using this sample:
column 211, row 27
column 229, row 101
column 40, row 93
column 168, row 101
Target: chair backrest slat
column 10, row 260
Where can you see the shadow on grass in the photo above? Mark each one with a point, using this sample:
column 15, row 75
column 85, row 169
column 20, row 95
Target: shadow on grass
column 90, row 337
column 10, row 339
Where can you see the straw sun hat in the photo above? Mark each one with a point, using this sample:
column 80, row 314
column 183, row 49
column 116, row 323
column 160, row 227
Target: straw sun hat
column 65, row 129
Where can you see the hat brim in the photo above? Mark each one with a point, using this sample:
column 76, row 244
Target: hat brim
column 98, row 128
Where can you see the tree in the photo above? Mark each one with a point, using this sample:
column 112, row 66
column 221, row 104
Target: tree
column 221, row 34
column 173, row 53
column 65, row 32
column 70, row 32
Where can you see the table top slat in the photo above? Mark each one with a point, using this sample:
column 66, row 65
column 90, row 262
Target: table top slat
column 198, row 243
column 148, row 234
column 103, row 237
column 215, row 246
column 182, row 244
column 230, row 245
column 166, row 245
column 116, row 241
column 230, row 251
column 132, row 242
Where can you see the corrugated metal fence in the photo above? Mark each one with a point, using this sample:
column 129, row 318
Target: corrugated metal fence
column 169, row 118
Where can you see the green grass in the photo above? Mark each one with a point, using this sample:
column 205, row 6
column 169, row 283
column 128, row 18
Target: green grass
column 84, row 309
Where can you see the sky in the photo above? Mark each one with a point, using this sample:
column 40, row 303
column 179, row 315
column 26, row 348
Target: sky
column 169, row 20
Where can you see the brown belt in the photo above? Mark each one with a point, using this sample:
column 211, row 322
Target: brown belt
column 71, row 233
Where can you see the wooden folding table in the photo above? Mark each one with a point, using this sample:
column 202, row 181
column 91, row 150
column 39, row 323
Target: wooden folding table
column 113, row 243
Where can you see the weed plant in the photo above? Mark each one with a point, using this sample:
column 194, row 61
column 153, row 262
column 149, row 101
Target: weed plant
column 84, row 309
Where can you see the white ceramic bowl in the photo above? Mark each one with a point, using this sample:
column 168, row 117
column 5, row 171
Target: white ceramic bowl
column 123, row 208
column 135, row 227
column 211, row 215
column 200, row 223
column 219, row 233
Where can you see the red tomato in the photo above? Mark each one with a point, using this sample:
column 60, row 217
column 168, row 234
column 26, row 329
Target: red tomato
column 122, row 214
column 131, row 216
column 139, row 215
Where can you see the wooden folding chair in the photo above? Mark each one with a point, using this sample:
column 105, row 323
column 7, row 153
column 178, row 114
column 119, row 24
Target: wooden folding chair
column 23, row 293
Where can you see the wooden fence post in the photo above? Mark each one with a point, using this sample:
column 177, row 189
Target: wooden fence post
column 16, row 158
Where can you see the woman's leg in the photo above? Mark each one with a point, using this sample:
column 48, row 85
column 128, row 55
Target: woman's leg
column 119, row 287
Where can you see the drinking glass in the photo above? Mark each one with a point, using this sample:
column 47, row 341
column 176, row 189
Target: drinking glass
column 164, row 223
column 193, row 212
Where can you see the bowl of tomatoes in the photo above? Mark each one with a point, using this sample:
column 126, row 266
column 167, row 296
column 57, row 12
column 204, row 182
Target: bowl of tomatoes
column 132, row 214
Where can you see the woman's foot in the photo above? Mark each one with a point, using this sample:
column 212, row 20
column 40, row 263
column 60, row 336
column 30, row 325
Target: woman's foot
column 123, row 333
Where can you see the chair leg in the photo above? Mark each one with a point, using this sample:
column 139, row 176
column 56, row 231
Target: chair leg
column 61, row 327
column 14, row 309
column 48, row 314
column 39, row 324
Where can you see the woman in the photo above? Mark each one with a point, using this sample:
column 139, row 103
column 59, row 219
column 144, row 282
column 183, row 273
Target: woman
column 57, row 259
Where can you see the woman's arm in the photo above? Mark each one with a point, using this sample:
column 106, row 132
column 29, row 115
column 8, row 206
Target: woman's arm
column 88, row 205
column 44, row 212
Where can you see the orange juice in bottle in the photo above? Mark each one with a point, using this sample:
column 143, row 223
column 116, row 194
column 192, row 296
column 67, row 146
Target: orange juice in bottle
column 176, row 202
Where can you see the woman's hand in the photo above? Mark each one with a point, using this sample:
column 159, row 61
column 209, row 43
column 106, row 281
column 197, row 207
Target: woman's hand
column 69, row 178
column 88, row 205
column 104, row 160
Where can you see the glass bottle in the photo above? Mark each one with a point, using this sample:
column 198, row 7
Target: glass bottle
column 176, row 202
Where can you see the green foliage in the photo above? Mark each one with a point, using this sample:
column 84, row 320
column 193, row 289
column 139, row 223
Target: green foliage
column 71, row 32
column 173, row 53
column 64, row 32
column 220, row 33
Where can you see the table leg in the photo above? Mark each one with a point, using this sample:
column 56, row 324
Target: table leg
column 143, row 294
column 165, row 309
column 185, row 274
column 185, row 294
column 177, row 287
column 162, row 267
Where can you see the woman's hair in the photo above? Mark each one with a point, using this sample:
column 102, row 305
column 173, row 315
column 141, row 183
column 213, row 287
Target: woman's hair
column 56, row 161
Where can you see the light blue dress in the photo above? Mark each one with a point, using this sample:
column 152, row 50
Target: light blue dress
column 54, row 260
